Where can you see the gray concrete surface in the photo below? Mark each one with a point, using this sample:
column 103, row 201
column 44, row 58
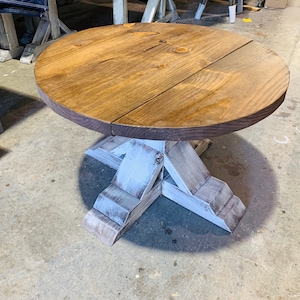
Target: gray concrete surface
column 47, row 184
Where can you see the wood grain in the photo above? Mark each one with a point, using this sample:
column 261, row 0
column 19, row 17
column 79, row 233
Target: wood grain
column 161, row 81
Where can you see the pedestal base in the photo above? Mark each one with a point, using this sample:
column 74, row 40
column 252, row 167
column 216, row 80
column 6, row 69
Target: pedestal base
column 147, row 169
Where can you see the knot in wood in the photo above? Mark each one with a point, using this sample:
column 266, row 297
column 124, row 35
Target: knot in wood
column 181, row 50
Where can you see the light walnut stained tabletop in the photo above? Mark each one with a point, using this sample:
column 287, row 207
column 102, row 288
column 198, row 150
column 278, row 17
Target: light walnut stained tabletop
column 161, row 81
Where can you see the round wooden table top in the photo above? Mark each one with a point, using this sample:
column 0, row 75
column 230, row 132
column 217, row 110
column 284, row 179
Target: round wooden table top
column 161, row 81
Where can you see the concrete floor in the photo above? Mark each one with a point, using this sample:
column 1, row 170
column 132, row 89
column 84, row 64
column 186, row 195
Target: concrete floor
column 47, row 184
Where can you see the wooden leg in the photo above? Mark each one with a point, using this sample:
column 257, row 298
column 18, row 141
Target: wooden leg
column 164, row 9
column 120, row 12
column 150, row 11
column 191, row 185
column 139, row 180
column 172, row 14
column 9, row 45
column 200, row 9
column 239, row 7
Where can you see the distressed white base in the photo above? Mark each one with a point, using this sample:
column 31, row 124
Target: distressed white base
column 141, row 178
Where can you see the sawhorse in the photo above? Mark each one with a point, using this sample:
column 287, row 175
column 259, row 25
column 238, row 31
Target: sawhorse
column 161, row 10
column 50, row 27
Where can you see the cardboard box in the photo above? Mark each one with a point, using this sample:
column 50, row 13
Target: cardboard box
column 275, row 3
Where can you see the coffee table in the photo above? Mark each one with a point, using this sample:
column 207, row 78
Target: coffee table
column 150, row 88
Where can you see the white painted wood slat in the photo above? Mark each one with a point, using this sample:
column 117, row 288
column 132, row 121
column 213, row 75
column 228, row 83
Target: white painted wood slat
column 109, row 231
column 110, row 150
column 222, row 201
column 143, row 163
column 192, row 203
column 101, row 226
column 215, row 192
column 187, row 169
column 116, row 204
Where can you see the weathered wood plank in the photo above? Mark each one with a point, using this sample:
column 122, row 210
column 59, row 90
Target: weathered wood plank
column 185, row 167
column 9, row 45
column 215, row 202
column 215, row 192
column 109, row 231
column 110, row 150
column 192, row 203
column 157, row 145
column 8, row 36
column 53, row 19
column 142, row 164
column 150, row 11
column 111, row 143
column 232, row 212
column 116, row 204
column 200, row 146
column 101, row 226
